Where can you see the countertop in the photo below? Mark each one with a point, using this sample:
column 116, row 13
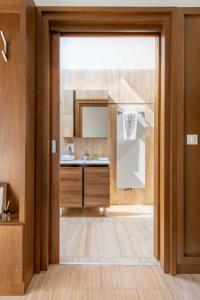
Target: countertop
column 14, row 220
column 84, row 162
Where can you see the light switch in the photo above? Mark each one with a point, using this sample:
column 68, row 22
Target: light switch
column 192, row 139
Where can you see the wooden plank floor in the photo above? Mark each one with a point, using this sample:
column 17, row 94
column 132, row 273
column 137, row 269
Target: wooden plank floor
column 125, row 236
column 63, row 282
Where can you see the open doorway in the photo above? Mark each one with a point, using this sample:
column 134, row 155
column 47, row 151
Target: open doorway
column 108, row 145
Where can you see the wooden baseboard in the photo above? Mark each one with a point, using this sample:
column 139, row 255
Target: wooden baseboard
column 188, row 269
column 12, row 289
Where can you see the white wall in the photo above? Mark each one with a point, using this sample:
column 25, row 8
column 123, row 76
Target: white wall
column 139, row 3
column 95, row 122
column 127, row 53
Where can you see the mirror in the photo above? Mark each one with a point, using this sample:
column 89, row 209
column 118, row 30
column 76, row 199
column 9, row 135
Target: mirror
column 86, row 118
column 91, row 118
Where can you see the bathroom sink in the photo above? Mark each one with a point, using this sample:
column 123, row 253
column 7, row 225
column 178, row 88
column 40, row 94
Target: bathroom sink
column 67, row 157
column 85, row 162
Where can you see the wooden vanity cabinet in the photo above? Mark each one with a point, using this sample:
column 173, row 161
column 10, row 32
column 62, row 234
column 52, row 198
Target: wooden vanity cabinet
column 71, row 187
column 96, row 187
column 84, row 186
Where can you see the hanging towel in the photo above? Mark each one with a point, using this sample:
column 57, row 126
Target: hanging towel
column 130, row 120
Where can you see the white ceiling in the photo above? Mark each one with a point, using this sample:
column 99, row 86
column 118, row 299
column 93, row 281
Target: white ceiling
column 140, row 3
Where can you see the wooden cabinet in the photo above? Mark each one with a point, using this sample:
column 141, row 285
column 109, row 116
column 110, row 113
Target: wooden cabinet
column 84, row 187
column 11, row 259
column 71, row 187
column 96, row 186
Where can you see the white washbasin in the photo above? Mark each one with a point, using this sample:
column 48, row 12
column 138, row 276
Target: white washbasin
column 84, row 162
column 67, row 157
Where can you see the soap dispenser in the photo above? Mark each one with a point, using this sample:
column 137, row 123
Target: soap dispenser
column 70, row 149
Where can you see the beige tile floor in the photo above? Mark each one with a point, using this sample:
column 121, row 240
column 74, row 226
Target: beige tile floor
column 125, row 236
column 63, row 282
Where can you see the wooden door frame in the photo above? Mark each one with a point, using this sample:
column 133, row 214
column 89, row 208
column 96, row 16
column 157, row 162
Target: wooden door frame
column 78, row 20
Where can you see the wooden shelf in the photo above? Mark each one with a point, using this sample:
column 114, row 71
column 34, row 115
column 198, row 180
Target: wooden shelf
column 14, row 220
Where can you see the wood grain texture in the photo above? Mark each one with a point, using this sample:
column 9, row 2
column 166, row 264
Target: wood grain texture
column 96, row 187
column 18, row 122
column 27, row 203
column 191, row 153
column 11, row 278
column 70, row 190
column 157, row 153
column 178, row 134
column 45, row 138
column 10, row 6
column 164, row 151
column 11, row 117
column 38, row 154
column 55, row 157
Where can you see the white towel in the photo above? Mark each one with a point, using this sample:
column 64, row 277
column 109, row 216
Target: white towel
column 130, row 120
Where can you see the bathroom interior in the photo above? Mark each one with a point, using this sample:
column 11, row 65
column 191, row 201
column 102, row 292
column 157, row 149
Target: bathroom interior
column 108, row 94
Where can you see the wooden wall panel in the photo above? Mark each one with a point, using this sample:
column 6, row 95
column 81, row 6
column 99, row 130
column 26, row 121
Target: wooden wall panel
column 10, row 6
column 188, row 205
column 27, row 209
column 11, row 275
column 11, row 113
column 12, row 265
column 17, row 122
column 55, row 157
column 177, row 116
column 192, row 126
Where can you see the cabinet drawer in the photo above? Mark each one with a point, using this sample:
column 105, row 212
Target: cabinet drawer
column 70, row 187
column 96, row 186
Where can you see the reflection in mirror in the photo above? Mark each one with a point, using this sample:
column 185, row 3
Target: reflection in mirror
column 91, row 118
column 67, row 113
column 98, row 117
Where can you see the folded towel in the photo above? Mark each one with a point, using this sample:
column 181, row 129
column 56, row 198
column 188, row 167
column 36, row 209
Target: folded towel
column 130, row 125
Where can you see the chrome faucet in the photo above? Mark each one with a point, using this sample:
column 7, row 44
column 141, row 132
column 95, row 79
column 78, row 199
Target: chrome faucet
column 86, row 156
